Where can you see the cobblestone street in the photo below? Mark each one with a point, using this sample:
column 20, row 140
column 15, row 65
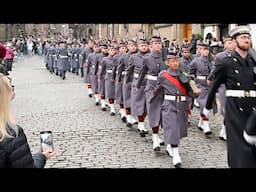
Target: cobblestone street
column 87, row 137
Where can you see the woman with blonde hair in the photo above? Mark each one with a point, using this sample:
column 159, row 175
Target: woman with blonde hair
column 14, row 148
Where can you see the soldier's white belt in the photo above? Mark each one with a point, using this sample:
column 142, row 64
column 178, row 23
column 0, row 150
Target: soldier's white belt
column 63, row 56
column 201, row 77
column 136, row 75
column 100, row 67
column 175, row 98
column 123, row 72
column 93, row 66
column 109, row 71
column 151, row 77
column 240, row 93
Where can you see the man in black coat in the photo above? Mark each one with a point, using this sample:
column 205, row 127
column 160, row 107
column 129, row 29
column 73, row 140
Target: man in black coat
column 238, row 71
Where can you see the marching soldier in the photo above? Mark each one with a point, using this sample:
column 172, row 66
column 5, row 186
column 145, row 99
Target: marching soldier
column 76, row 59
column 87, row 79
column 238, row 71
column 63, row 55
column 152, row 64
column 200, row 67
column 71, row 57
column 229, row 46
column 184, row 62
column 54, row 58
column 70, row 60
column 101, row 75
column 93, row 67
column 124, row 62
column 58, row 59
column 173, row 94
column 138, row 98
column 119, row 80
column 109, row 83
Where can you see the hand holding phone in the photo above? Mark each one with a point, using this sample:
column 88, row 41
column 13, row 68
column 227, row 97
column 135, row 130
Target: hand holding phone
column 46, row 141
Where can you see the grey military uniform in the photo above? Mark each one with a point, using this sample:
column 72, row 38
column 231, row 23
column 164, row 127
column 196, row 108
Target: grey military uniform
column 118, row 77
column 124, row 62
column 222, row 88
column 201, row 67
column 152, row 65
column 138, row 98
column 184, row 64
column 174, row 108
column 101, row 73
column 109, row 83
column 63, row 56
column 86, row 67
column 93, row 66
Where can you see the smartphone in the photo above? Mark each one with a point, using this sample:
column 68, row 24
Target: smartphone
column 46, row 140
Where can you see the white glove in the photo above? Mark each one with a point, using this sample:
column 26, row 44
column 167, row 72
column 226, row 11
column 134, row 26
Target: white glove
column 206, row 112
column 249, row 138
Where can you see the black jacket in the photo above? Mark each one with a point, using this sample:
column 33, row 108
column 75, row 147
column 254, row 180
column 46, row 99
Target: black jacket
column 3, row 69
column 15, row 152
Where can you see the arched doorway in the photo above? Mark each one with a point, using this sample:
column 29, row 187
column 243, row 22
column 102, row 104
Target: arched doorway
column 187, row 31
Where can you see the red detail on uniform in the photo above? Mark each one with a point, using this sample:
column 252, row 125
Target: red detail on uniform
column 111, row 101
column 155, row 92
column 89, row 86
column 102, row 97
column 176, row 82
column 121, row 106
column 141, row 118
column 155, row 129
column 189, row 111
column 128, row 111
column 204, row 117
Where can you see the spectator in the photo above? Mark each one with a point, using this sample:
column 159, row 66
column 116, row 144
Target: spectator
column 9, row 55
column 14, row 149
column 3, row 69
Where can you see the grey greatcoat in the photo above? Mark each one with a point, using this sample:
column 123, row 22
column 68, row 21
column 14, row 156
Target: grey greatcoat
column 222, row 88
column 85, row 53
column 138, row 98
column 174, row 113
column 54, row 57
column 58, row 59
column 201, row 67
column 63, row 57
column 152, row 65
column 118, row 77
column 238, row 74
column 124, row 62
column 75, row 59
column 101, row 73
column 109, row 83
column 93, row 66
